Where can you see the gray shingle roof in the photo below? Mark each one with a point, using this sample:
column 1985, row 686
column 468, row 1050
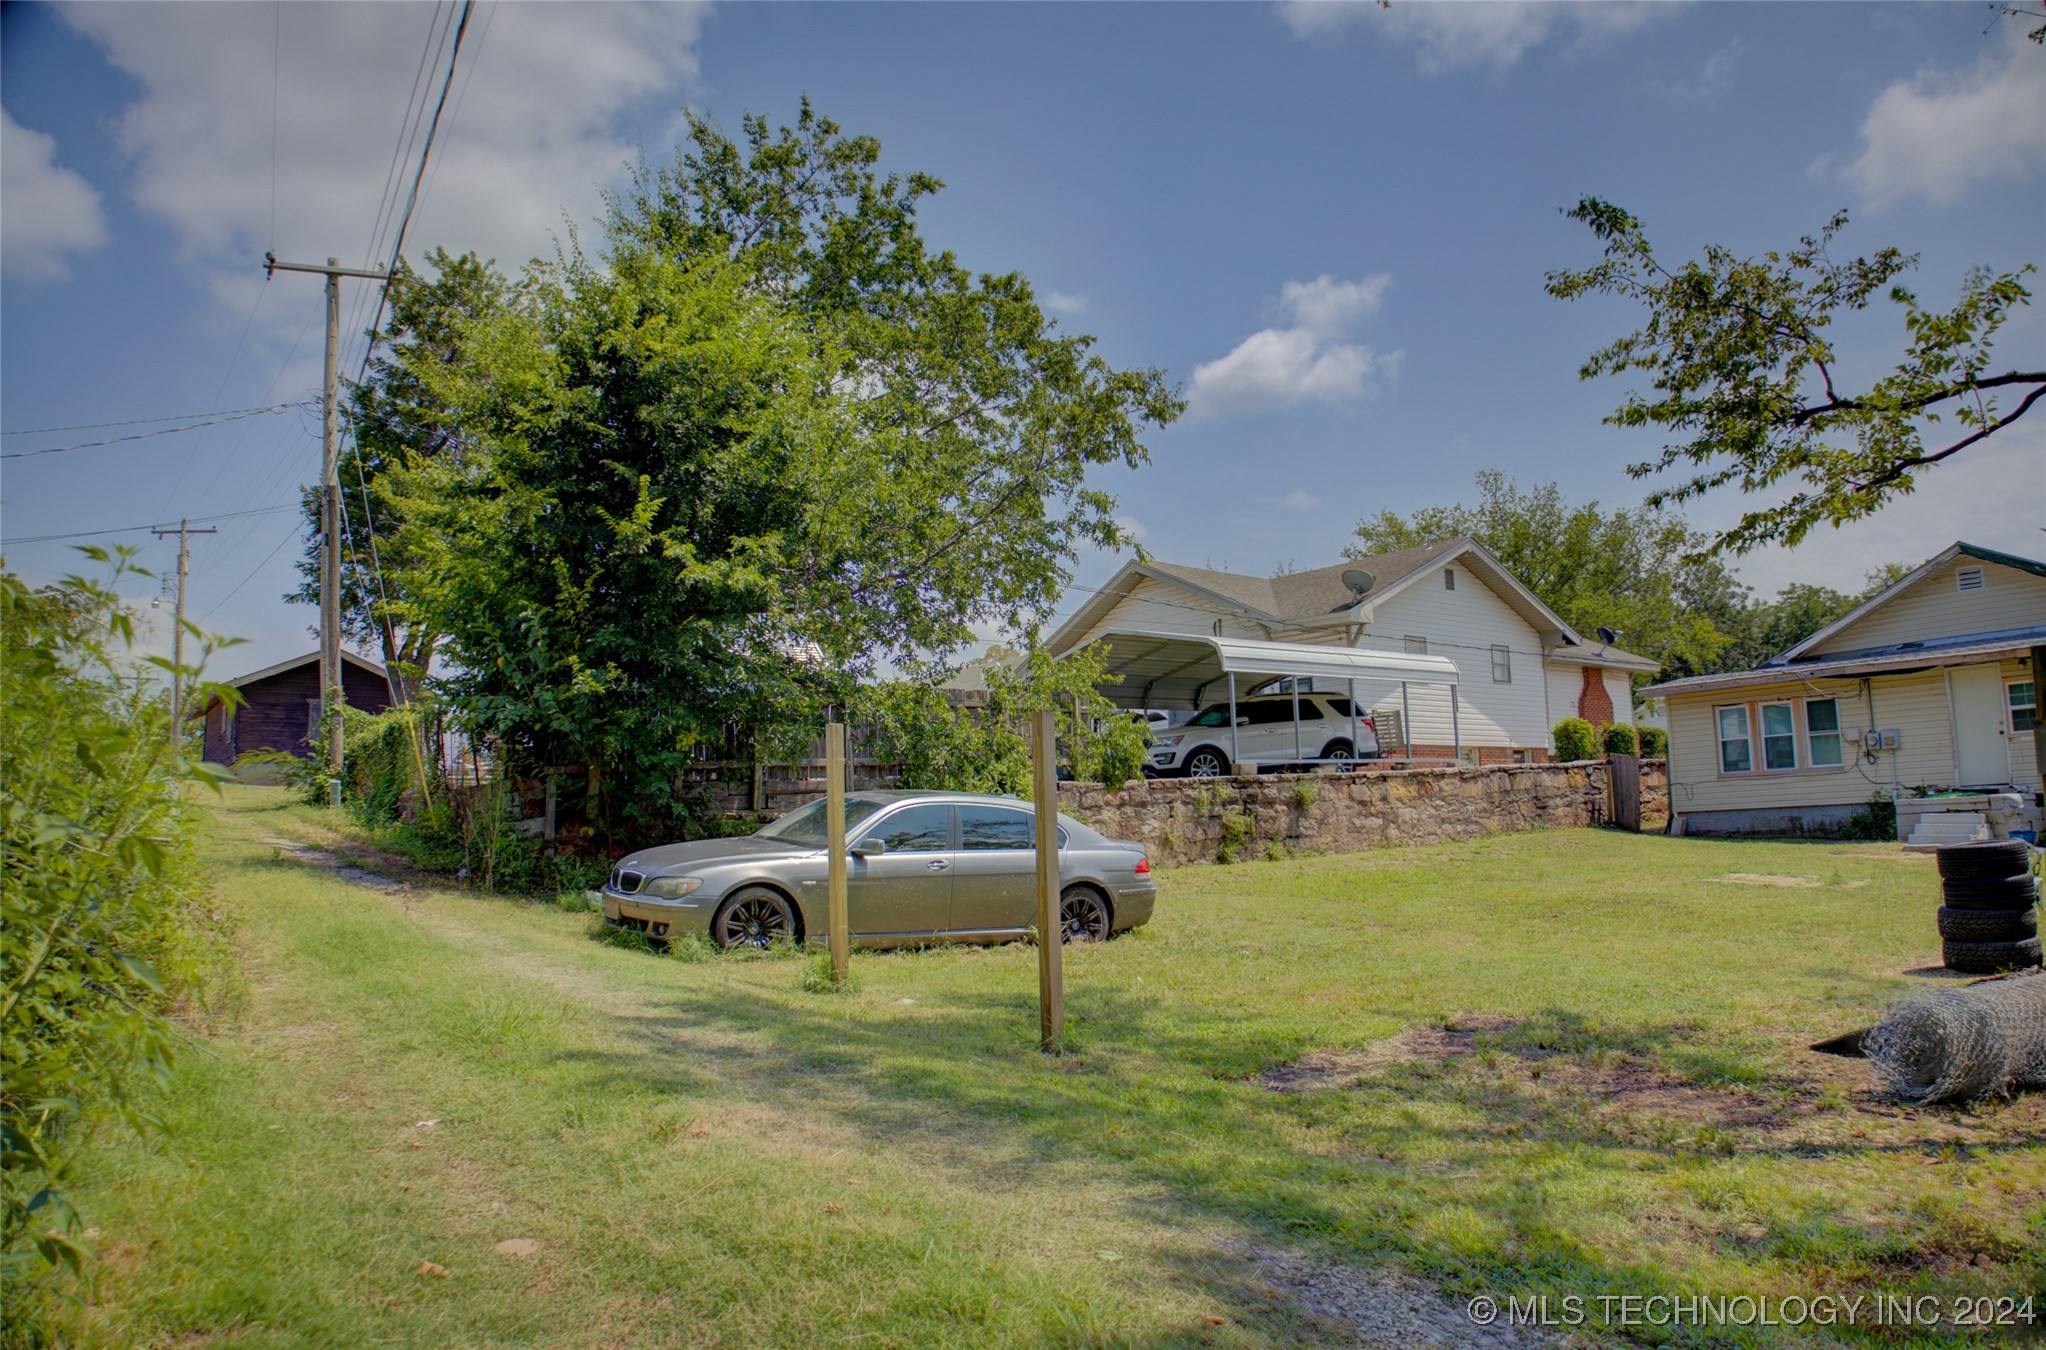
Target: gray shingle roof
column 1297, row 596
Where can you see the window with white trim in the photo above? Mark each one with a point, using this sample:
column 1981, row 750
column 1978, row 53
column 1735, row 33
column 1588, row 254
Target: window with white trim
column 1736, row 752
column 1416, row 646
column 1823, row 747
column 2023, row 698
column 1502, row 664
column 1779, row 736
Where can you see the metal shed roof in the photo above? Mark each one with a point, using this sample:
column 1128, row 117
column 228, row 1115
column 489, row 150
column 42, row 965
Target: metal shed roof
column 1163, row 669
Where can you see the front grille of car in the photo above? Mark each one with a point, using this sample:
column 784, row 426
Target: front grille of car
column 628, row 883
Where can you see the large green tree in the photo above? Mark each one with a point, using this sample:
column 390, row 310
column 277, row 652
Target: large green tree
column 1635, row 569
column 762, row 439
column 1747, row 379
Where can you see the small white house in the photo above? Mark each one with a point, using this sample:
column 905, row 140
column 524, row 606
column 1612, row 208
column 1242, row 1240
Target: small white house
column 1929, row 686
column 1520, row 668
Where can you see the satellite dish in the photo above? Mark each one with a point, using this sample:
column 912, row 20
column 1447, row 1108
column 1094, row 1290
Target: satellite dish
column 1358, row 580
column 1607, row 635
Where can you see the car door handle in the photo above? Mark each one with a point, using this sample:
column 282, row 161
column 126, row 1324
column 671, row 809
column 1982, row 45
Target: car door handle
column 938, row 864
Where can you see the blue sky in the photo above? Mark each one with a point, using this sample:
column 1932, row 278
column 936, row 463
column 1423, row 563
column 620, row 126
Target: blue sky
column 1330, row 222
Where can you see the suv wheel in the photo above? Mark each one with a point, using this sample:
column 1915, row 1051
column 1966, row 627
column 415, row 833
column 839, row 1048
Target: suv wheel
column 1207, row 762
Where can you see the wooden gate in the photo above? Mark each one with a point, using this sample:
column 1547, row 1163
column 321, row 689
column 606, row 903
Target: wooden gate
column 1625, row 778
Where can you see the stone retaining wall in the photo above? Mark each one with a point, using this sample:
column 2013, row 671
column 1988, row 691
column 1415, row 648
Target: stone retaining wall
column 1187, row 820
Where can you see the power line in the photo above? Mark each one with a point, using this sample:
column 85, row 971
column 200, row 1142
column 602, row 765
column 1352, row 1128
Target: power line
column 143, row 421
column 140, row 529
column 145, row 435
column 293, row 534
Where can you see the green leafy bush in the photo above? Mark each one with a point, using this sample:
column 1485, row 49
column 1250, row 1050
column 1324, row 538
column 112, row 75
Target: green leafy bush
column 1618, row 738
column 1654, row 743
column 106, row 922
column 1575, row 740
column 1875, row 822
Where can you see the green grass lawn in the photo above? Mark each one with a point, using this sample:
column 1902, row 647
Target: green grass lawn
column 1551, row 1063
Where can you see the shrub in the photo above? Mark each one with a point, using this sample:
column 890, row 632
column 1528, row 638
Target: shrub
column 106, row 921
column 1618, row 739
column 1303, row 795
column 1876, row 822
column 1575, row 740
column 1654, row 743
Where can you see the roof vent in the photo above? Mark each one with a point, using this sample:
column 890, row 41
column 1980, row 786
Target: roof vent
column 1359, row 581
column 1968, row 579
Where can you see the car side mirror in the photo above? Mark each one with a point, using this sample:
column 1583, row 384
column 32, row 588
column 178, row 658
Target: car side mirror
column 1242, row 721
column 868, row 848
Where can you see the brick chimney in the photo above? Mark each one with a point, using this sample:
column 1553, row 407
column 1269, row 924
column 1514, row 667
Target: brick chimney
column 1594, row 704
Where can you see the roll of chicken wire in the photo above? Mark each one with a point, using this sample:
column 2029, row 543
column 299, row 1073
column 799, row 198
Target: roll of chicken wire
column 1961, row 1043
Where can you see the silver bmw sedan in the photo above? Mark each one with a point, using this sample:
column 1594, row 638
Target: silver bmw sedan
column 922, row 866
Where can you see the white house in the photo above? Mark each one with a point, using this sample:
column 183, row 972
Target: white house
column 1520, row 668
column 1929, row 685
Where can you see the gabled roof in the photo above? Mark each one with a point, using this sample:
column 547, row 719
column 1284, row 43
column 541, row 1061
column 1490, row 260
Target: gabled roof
column 1897, row 659
column 347, row 657
column 1892, row 591
column 1318, row 597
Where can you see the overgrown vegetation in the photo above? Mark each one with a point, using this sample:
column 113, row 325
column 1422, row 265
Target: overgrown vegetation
column 106, row 925
column 1654, row 742
column 941, row 743
column 760, row 441
column 1618, row 738
column 1874, row 821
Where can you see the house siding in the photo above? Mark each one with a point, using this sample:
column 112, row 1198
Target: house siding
column 1156, row 607
column 2009, row 598
column 274, row 715
column 1916, row 705
column 1462, row 625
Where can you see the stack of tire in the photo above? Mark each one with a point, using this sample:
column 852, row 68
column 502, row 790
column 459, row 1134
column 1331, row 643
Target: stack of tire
column 1989, row 921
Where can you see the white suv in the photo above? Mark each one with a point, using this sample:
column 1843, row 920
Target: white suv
column 1264, row 735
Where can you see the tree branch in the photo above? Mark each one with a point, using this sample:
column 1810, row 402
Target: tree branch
column 1803, row 415
column 1902, row 466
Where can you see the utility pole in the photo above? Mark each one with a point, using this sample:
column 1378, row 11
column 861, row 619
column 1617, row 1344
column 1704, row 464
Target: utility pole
column 331, row 699
column 184, row 533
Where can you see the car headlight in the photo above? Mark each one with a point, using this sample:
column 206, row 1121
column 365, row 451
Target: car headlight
column 672, row 888
column 1169, row 740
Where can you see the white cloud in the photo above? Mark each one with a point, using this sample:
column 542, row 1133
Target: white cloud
column 1304, row 362
column 47, row 211
column 1482, row 33
column 1132, row 527
column 1716, row 77
column 1331, row 307
column 1935, row 134
column 534, row 135
column 1058, row 302
column 1299, row 499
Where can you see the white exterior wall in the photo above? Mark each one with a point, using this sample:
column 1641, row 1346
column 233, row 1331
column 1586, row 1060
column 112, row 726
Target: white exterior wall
column 1154, row 606
column 1934, row 608
column 1462, row 625
column 1620, row 689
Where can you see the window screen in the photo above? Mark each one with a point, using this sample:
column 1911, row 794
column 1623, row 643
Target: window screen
column 1779, row 736
column 1822, row 731
column 1736, row 753
column 1502, row 665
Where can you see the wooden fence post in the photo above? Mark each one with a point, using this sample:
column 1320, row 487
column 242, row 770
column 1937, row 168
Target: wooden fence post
column 1623, row 773
column 1051, row 991
column 834, row 833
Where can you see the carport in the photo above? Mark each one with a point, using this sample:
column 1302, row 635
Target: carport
column 1165, row 670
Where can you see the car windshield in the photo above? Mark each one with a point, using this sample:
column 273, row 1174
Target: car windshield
column 805, row 824
column 1216, row 716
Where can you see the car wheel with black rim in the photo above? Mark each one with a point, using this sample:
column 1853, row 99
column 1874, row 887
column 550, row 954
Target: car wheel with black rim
column 1083, row 915
column 1206, row 762
column 754, row 916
